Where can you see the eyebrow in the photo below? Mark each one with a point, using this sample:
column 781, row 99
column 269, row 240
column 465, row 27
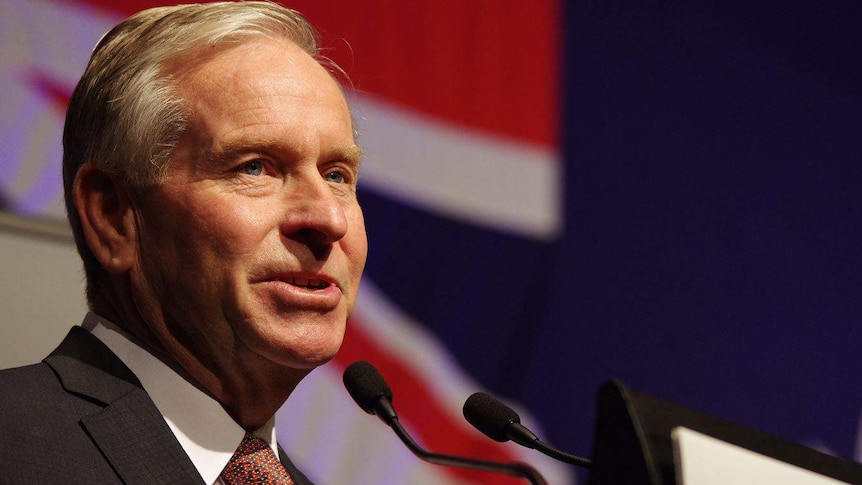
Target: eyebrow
column 353, row 154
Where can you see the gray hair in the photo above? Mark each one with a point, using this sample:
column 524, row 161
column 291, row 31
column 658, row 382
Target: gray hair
column 124, row 115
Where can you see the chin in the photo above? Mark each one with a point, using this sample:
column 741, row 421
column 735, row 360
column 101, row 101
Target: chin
column 307, row 352
column 305, row 361
column 299, row 341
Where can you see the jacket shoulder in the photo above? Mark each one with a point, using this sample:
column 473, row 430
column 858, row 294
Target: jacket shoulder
column 38, row 420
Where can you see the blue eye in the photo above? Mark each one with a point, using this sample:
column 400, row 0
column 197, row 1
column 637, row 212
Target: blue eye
column 254, row 167
column 334, row 176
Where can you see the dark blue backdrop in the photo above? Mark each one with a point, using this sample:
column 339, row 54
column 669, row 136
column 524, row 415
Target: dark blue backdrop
column 713, row 252
column 712, row 247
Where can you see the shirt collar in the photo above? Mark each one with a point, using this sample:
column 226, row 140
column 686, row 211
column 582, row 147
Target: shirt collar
column 205, row 430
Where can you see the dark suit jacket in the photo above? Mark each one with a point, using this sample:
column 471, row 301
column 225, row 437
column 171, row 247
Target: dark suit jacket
column 82, row 417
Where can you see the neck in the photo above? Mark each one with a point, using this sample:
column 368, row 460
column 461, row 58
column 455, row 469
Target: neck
column 247, row 386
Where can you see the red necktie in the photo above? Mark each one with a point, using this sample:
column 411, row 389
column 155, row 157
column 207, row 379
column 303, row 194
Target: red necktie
column 254, row 463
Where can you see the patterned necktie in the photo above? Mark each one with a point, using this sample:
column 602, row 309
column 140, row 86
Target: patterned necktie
column 254, row 463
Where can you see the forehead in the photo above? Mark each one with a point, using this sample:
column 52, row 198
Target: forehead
column 259, row 63
column 267, row 88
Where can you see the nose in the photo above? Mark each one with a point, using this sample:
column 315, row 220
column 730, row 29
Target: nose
column 315, row 215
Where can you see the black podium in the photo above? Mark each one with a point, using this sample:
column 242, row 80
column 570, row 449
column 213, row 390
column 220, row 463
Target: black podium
column 633, row 445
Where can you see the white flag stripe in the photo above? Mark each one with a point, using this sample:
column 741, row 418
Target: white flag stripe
column 334, row 441
column 458, row 173
column 55, row 40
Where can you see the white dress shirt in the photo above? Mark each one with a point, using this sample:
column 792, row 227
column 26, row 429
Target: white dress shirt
column 205, row 430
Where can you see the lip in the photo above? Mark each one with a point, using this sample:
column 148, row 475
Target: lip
column 308, row 291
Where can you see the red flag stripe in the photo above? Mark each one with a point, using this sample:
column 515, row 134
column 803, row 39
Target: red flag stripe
column 57, row 92
column 484, row 65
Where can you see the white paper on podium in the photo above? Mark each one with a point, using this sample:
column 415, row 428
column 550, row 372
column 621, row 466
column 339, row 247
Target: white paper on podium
column 703, row 460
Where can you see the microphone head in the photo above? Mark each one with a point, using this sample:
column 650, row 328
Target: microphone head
column 490, row 416
column 365, row 385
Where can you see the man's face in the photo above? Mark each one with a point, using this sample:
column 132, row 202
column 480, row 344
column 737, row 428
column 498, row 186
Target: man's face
column 252, row 249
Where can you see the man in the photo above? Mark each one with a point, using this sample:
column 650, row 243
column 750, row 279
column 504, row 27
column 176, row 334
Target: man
column 210, row 176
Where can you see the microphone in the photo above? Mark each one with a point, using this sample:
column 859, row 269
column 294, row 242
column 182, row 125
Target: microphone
column 368, row 388
column 501, row 423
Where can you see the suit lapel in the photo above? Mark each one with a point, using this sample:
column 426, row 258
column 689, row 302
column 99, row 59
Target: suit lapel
column 129, row 430
column 138, row 443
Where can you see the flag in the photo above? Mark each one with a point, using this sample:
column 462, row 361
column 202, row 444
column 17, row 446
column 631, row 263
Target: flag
column 456, row 107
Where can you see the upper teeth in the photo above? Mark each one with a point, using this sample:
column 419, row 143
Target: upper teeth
column 308, row 283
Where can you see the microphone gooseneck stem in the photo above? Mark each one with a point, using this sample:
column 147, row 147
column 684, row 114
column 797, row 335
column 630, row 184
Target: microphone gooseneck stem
column 511, row 468
column 561, row 455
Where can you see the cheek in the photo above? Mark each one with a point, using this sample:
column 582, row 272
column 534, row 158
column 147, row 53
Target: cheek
column 224, row 229
column 197, row 254
column 198, row 239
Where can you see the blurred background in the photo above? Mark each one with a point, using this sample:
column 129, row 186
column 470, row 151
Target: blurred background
column 556, row 194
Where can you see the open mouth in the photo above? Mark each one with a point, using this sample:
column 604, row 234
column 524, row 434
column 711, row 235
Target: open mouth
column 308, row 283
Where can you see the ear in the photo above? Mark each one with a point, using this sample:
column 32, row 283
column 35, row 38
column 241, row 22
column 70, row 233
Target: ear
column 107, row 217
